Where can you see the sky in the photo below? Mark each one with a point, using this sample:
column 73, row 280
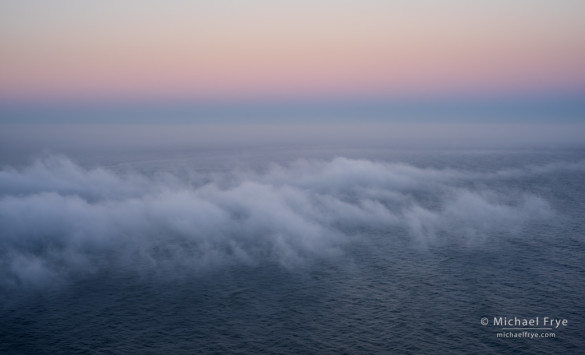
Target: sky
column 221, row 50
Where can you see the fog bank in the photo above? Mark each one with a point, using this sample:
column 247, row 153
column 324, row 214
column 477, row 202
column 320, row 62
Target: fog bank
column 59, row 219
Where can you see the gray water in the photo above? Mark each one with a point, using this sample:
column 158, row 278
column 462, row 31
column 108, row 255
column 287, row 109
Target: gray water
column 292, row 250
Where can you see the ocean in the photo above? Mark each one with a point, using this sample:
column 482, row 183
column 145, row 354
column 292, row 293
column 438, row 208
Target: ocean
column 294, row 249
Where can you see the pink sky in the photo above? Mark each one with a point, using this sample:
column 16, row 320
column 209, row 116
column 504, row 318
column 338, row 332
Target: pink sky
column 69, row 50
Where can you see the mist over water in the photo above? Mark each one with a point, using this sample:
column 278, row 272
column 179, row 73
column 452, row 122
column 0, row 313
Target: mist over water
column 108, row 143
column 301, row 177
column 59, row 217
column 289, row 249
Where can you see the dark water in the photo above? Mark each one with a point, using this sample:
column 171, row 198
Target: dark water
column 383, row 288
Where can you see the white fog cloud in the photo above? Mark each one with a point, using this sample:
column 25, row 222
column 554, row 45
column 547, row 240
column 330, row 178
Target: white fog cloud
column 59, row 218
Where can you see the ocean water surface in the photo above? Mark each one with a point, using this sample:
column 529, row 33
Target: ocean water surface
column 292, row 250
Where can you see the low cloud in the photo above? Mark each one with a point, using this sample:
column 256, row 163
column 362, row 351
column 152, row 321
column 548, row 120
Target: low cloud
column 60, row 219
